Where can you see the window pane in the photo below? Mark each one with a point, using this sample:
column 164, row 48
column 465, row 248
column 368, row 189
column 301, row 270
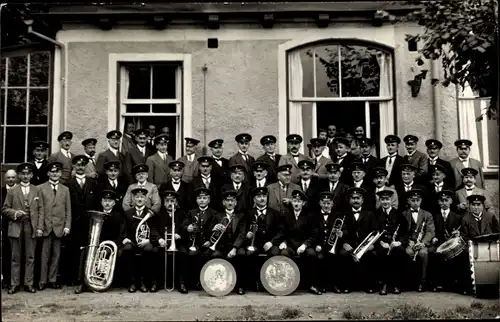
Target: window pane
column 138, row 108
column 2, row 71
column 2, row 105
column 307, row 119
column 139, row 80
column 375, row 125
column 479, row 125
column 36, row 133
column 327, row 71
column 18, row 71
column 345, row 115
column 164, row 82
column 306, row 58
column 16, row 106
column 164, row 108
column 15, row 138
column 39, row 104
column 360, row 71
column 39, row 69
column 493, row 142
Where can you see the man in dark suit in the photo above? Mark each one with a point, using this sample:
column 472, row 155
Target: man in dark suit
column 151, row 138
column 25, row 212
column 294, row 156
column 393, row 160
column 438, row 177
column 241, row 187
column 300, row 234
column 358, row 171
column 242, row 157
column 416, row 158
column 207, row 180
column 64, row 156
column 260, row 174
column 112, row 180
column 372, row 200
column 310, row 185
column 370, row 162
column 359, row 224
column 433, row 149
column 220, row 166
column 337, row 188
column 179, row 186
column 330, row 141
column 137, row 154
column 10, row 182
column 408, row 183
column 40, row 162
column 344, row 158
column 89, row 151
column 268, row 142
column 111, row 154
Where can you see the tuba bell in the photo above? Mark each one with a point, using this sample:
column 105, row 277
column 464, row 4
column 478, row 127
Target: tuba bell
column 101, row 258
column 370, row 240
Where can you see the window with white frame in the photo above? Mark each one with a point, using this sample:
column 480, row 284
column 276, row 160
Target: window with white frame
column 151, row 94
column 343, row 84
column 483, row 134
column 25, row 100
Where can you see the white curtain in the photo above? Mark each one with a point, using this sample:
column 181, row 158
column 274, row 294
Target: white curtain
column 468, row 124
column 386, row 108
column 295, row 73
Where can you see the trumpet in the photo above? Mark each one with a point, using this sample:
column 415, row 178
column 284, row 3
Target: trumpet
column 217, row 234
column 419, row 238
column 142, row 232
column 172, row 248
column 333, row 238
column 253, row 228
column 365, row 244
column 393, row 239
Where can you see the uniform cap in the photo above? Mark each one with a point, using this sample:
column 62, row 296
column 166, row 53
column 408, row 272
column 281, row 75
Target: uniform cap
column 243, row 137
column 89, row 141
column 299, row 194
column 473, row 198
column 171, row 194
column 142, row 167
column 365, row 142
column 80, row 159
column 380, row 172
column 259, row 191
column 176, row 165
column 305, row 164
column 440, row 167
column 217, row 143
column 410, row 138
column 385, row 193
column 358, row 166
column 433, row 144
column 229, row 193
column 284, row 168
column 162, row 138
column 443, row 193
column 139, row 191
column 191, row 141
column 391, row 138
column 315, row 142
column 341, row 140
column 326, row 195
column 415, row 193
column 141, row 132
column 333, row 167
column 259, row 166
column 25, row 167
column 266, row 139
column 108, row 194
column 463, row 143
column 40, row 145
column 66, row 135
column 54, row 166
column 469, row 172
column 110, row 165
column 356, row 191
column 237, row 167
column 205, row 158
column 114, row 134
column 294, row 138
column 202, row 191
column 408, row 167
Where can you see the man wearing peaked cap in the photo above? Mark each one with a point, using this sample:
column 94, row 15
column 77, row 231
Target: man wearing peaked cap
column 463, row 160
column 294, row 156
column 175, row 183
column 40, row 162
column 334, row 185
column 112, row 180
column 270, row 156
column 415, row 157
column 280, row 193
column 159, row 171
column 137, row 154
column 112, row 153
column 344, row 158
column 240, row 185
column 90, row 153
column 220, row 166
column 310, row 185
column 433, row 150
column 207, row 179
column 64, row 155
column 372, row 198
column 189, row 159
column 438, row 176
column 21, row 207
column 242, row 157
column 393, row 160
column 153, row 201
column 408, row 174
column 260, row 173
column 320, row 158
column 367, row 155
column 469, row 188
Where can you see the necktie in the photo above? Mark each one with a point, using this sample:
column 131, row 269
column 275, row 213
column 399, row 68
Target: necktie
column 331, row 187
column 305, row 187
column 237, row 187
column 93, row 160
column 244, row 157
column 390, row 160
column 365, row 160
column 80, row 182
column 272, row 157
column 54, row 188
column 113, row 184
column 444, row 214
column 438, row 188
column 205, row 180
column 433, row 162
column 407, row 188
column 25, row 191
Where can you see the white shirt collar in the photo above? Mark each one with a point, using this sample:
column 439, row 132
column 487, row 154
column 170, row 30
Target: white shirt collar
column 354, row 210
column 140, row 209
column 53, row 182
column 88, row 156
column 236, row 185
column 446, row 211
column 115, row 181
column 392, row 155
column 379, row 189
column 306, row 181
column 243, row 153
column 141, row 184
column 65, row 152
column 297, row 214
column 433, row 159
column 10, row 187
column 113, row 150
column 39, row 161
column 411, row 154
column 408, row 184
column 342, row 156
column 387, row 210
column 162, row 155
column 205, row 177
column 358, row 183
column 80, row 176
column 229, row 213
column 463, row 160
column 142, row 149
column 203, row 209
column 471, row 188
column 439, row 184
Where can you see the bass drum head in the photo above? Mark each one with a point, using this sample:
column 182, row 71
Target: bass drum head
column 218, row 277
column 280, row 275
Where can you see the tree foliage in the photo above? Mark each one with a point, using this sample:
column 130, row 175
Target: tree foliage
column 464, row 35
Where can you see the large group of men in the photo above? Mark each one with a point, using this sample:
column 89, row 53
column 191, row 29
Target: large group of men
column 315, row 208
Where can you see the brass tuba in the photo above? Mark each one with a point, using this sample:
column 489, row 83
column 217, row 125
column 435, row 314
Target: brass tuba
column 332, row 239
column 365, row 244
column 101, row 258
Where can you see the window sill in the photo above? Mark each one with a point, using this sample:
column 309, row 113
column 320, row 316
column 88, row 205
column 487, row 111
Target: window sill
column 491, row 172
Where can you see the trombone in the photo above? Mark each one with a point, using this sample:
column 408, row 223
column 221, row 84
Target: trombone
column 217, row 234
column 333, row 238
column 365, row 244
column 172, row 248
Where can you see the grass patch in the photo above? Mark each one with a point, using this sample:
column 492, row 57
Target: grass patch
column 248, row 313
column 51, row 307
column 476, row 305
column 352, row 315
column 289, row 313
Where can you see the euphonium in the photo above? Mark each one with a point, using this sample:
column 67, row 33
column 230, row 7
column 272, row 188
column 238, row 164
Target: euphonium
column 142, row 231
column 101, row 258
column 332, row 239
column 217, row 234
column 365, row 244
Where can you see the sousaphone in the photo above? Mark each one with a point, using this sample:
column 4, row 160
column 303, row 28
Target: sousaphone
column 280, row 275
column 218, row 277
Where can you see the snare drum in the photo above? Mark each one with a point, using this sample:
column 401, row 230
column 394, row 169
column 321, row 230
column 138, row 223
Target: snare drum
column 484, row 265
column 452, row 248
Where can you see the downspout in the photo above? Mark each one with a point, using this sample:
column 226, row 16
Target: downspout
column 438, row 133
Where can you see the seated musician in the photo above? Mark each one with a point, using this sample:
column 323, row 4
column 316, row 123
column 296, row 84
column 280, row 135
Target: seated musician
column 230, row 227
column 175, row 183
column 446, row 223
column 337, row 188
column 372, row 198
column 327, row 256
column 469, row 189
column 420, row 233
column 153, row 201
column 113, row 180
column 359, row 224
column 263, row 237
column 390, row 251
column 300, row 236
column 241, row 186
column 171, row 208
column 438, row 184
column 112, row 229
column 139, row 240
column 198, row 224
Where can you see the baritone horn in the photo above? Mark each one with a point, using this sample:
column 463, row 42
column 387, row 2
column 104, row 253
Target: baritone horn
column 172, row 248
column 217, row 234
column 333, row 238
column 365, row 244
column 101, row 258
column 142, row 232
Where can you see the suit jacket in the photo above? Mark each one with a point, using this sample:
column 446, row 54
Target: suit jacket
column 426, row 204
column 153, row 200
column 56, row 208
column 272, row 175
column 471, row 228
column 91, row 168
column 185, row 191
column 358, row 230
column 346, row 176
column 159, row 172
column 429, row 230
column 289, row 159
column 121, row 189
column 276, row 196
column 205, row 224
column 320, row 167
column 443, row 229
column 299, row 231
column 339, row 194
column 215, row 187
column 242, row 196
column 372, row 200
column 324, row 228
column 234, row 236
column 113, row 227
column 190, row 168
column 457, row 167
column 395, row 175
column 166, row 225
column 128, row 143
column 331, row 149
column 67, row 165
column 313, row 192
column 238, row 159
column 39, row 174
column 132, row 221
column 365, row 184
column 461, row 197
column 419, row 160
column 390, row 223
column 221, row 171
column 371, row 163
column 14, row 201
column 433, row 197
column 253, row 183
column 133, row 158
column 450, row 177
column 107, row 156
column 82, row 200
column 270, row 231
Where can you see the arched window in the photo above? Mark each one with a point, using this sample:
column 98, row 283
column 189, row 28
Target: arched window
column 346, row 84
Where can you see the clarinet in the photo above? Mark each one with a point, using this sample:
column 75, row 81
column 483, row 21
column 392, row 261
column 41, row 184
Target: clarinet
column 419, row 238
column 393, row 239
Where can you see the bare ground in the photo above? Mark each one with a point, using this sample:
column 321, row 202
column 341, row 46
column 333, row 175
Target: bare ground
column 63, row 305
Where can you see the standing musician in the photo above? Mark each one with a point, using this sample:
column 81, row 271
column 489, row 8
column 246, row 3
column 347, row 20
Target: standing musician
column 294, row 156
column 260, row 174
column 446, row 223
column 171, row 208
column 270, row 156
column 153, row 201
column 158, row 163
column 433, row 150
column 40, row 162
column 128, row 142
column 113, row 180
column 393, row 160
column 366, row 157
column 358, row 172
column 64, row 155
column 24, row 209
column 438, row 177
column 463, row 160
column 372, row 199
column 137, row 154
column 359, row 223
column 112, row 153
column 344, row 158
column 415, row 157
column 198, row 224
column 232, row 235
column 176, row 184
column 206, row 180
column 408, row 183
column 469, row 179
column 420, row 233
column 89, row 149
column 241, row 186
column 190, row 160
column 264, row 234
column 318, row 146
column 390, row 251
column 300, row 235
column 329, row 273
column 137, row 268
column 310, row 185
column 337, row 188
column 242, row 157
column 220, row 166
column 280, row 193
column 113, row 229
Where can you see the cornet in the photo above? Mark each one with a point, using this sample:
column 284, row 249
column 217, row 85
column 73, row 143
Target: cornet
column 217, row 234
column 419, row 239
column 333, row 238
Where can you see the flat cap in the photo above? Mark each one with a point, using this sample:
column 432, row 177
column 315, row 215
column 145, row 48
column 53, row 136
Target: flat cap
column 294, row 138
column 176, row 165
column 141, row 191
column 217, row 143
column 89, row 141
column 410, row 138
column 433, row 144
column 142, row 167
column 299, row 194
column 391, row 138
column 463, row 143
column 108, row 194
column 80, row 159
column 25, row 167
column 243, row 137
column 469, row 172
column 114, row 134
column 66, row 135
column 54, row 166
column 476, row 197
column 110, row 165
column 266, row 139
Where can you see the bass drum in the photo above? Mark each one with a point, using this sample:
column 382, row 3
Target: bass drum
column 280, row 275
column 484, row 259
column 218, row 277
